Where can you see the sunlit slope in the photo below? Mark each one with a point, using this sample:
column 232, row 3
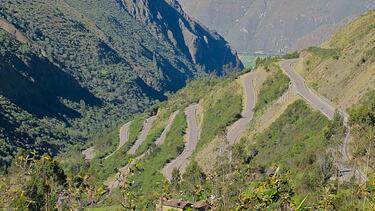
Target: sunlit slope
column 343, row 69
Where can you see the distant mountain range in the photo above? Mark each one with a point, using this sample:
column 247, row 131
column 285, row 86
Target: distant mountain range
column 69, row 69
column 267, row 26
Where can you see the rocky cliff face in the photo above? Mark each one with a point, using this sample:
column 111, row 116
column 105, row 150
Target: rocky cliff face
column 275, row 26
column 166, row 20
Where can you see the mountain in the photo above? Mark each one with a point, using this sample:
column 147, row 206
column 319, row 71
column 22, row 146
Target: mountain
column 70, row 69
column 299, row 145
column 167, row 20
column 275, row 26
column 294, row 133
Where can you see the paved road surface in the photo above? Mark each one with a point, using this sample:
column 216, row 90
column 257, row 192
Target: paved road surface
column 143, row 135
column 124, row 137
column 240, row 125
column 182, row 160
column 163, row 135
column 329, row 111
column 304, row 91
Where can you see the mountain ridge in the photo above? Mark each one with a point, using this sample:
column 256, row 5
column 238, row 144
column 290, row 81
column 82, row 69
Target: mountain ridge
column 87, row 65
column 275, row 27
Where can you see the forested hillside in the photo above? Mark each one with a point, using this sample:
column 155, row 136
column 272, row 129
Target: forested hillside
column 286, row 135
column 70, row 69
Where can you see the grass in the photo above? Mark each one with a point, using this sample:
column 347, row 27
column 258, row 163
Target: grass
column 298, row 136
column 106, row 143
column 356, row 30
column 220, row 108
column 343, row 68
column 362, row 120
column 103, row 168
column 324, row 52
column 274, row 87
column 149, row 181
column 193, row 92
column 136, row 127
column 155, row 132
column 106, row 208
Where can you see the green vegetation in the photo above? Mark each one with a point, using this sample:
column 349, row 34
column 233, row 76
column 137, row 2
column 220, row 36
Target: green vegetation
column 81, row 78
column 274, row 87
column 362, row 120
column 299, row 135
column 292, row 55
column 324, row 53
column 45, row 186
column 300, row 160
column 354, row 31
column 155, row 132
column 149, row 180
column 135, row 128
column 220, row 108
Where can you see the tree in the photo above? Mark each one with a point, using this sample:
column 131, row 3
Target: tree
column 275, row 191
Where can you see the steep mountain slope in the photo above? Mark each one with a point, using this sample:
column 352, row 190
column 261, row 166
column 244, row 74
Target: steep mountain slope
column 275, row 26
column 343, row 68
column 72, row 68
column 290, row 156
column 167, row 20
column 292, row 139
column 343, row 71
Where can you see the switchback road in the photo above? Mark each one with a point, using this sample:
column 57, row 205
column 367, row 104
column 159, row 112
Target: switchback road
column 182, row 160
column 124, row 137
column 328, row 110
column 235, row 130
column 143, row 135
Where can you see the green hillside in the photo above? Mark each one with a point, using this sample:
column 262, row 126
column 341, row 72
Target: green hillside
column 291, row 155
column 71, row 69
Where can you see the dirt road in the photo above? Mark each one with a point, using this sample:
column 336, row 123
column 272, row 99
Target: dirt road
column 124, row 171
column 124, row 137
column 240, row 125
column 143, row 135
column 163, row 135
column 182, row 160
column 88, row 153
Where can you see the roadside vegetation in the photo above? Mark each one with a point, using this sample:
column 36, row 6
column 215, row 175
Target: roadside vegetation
column 273, row 88
column 362, row 120
column 147, row 179
column 300, row 161
column 220, row 108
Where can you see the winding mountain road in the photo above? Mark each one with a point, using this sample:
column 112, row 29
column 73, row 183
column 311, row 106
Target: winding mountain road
column 235, row 130
column 163, row 135
column 124, row 171
column 328, row 110
column 302, row 89
column 124, row 137
column 143, row 135
column 182, row 160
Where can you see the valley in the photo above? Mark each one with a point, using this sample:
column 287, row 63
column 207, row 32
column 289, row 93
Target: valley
column 134, row 105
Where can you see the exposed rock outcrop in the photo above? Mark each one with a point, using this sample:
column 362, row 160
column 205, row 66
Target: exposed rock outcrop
column 166, row 20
